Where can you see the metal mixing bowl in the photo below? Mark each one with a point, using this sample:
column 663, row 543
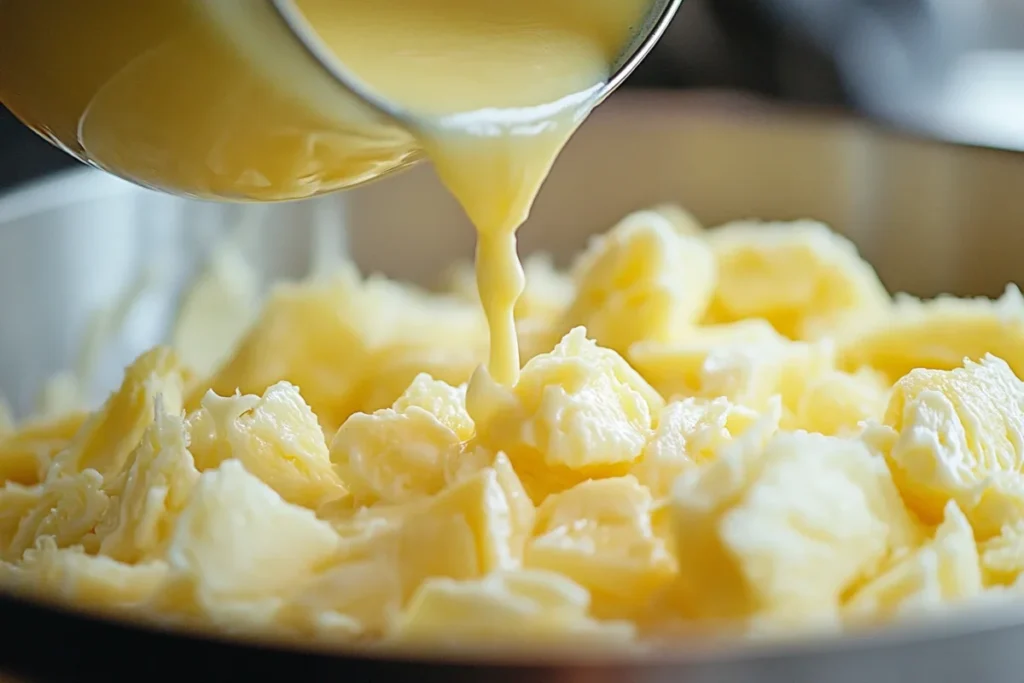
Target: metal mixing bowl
column 931, row 217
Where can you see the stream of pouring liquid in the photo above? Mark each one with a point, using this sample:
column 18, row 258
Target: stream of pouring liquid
column 501, row 86
column 495, row 171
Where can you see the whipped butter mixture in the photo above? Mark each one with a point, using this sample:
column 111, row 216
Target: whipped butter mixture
column 733, row 429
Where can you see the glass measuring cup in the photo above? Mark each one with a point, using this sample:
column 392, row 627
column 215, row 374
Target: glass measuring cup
column 234, row 99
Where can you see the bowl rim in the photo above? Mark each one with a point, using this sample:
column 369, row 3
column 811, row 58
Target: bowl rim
column 60, row 189
column 98, row 631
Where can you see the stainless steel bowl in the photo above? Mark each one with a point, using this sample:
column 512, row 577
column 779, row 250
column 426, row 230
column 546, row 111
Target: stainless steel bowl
column 931, row 217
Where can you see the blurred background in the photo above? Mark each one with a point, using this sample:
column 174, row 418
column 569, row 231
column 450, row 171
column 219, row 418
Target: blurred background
column 953, row 69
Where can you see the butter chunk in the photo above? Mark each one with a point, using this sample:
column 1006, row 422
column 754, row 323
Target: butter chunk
column 464, row 533
column 577, row 412
column 942, row 572
column 154, row 489
column 937, row 334
column 67, row 508
column 746, row 362
column 507, row 609
column 643, row 280
column 397, row 454
column 690, row 432
column 959, row 435
column 782, row 526
column 107, row 439
column 275, row 436
column 802, row 277
column 599, row 534
column 239, row 541
column 90, row 581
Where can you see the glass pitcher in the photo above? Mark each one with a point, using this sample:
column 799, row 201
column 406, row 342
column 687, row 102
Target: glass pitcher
column 232, row 99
